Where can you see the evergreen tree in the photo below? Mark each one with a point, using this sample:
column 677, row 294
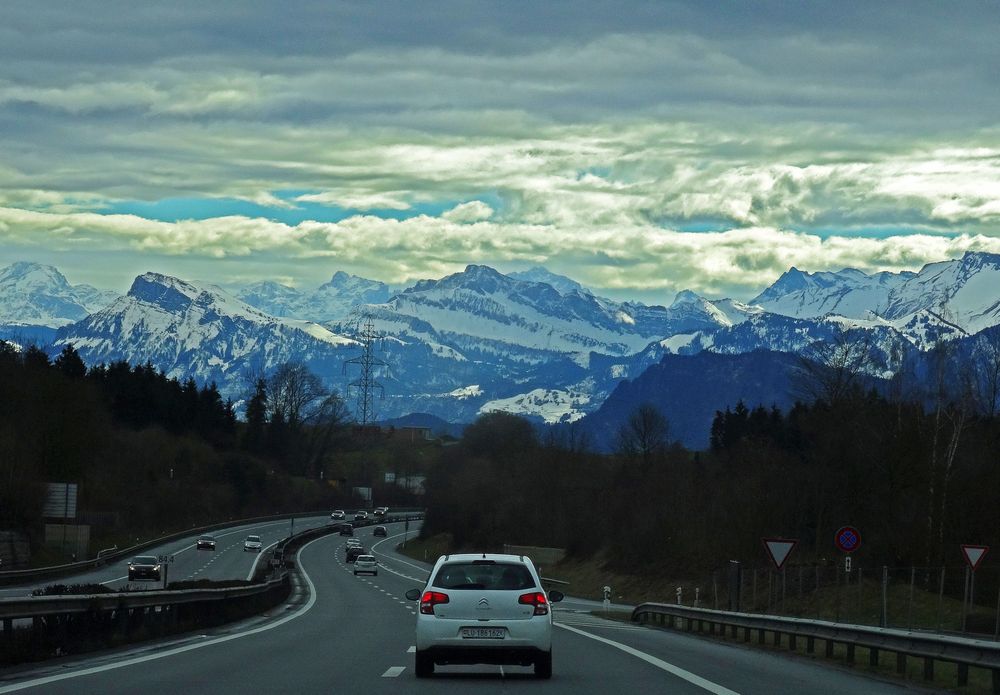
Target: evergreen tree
column 253, row 437
column 70, row 364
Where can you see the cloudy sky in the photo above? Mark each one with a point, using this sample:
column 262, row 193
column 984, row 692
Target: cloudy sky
column 638, row 147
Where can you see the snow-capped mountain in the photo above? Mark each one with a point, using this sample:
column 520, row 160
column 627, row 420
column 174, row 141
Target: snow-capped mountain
column 961, row 296
column 560, row 283
column 192, row 329
column 331, row 301
column 534, row 343
column 32, row 294
column 487, row 311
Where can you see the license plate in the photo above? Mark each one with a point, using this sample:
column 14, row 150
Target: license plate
column 483, row 632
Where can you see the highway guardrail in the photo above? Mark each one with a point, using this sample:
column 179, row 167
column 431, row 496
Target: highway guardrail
column 930, row 647
column 13, row 577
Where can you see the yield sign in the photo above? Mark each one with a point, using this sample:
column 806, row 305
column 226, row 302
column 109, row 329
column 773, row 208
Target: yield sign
column 779, row 549
column 974, row 554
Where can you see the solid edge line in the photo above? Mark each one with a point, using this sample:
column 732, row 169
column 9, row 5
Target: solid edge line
column 178, row 650
column 711, row 687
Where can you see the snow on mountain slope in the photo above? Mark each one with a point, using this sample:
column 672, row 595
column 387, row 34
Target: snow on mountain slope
column 561, row 283
column 272, row 298
column 481, row 305
column 964, row 293
column 551, row 405
column 332, row 301
column 848, row 292
column 193, row 329
column 39, row 295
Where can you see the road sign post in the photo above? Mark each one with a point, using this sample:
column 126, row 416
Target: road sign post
column 607, row 597
column 165, row 561
column 778, row 549
column 974, row 555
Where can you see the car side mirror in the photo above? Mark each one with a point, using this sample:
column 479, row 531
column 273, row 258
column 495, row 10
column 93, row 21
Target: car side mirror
column 413, row 594
column 556, row 596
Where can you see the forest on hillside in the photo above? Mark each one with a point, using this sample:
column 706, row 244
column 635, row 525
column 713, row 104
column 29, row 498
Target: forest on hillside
column 913, row 464
column 152, row 454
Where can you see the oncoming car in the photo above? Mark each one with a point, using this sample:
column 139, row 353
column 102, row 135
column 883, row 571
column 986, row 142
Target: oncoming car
column 206, row 542
column 338, row 515
column 144, row 567
column 253, row 544
column 365, row 564
column 484, row 608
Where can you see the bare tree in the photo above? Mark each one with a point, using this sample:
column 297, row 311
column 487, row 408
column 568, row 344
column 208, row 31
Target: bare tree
column 833, row 371
column 987, row 366
column 953, row 396
column 296, row 393
column 645, row 434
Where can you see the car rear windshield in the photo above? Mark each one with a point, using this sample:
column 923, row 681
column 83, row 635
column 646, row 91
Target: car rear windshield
column 492, row 576
column 255, row 539
column 366, row 558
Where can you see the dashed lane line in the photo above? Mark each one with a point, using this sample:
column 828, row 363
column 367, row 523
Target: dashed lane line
column 393, row 672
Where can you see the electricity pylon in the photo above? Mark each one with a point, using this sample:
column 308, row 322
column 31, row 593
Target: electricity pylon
column 367, row 384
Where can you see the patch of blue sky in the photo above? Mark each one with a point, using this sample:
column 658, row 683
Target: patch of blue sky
column 700, row 225
column 176, row 209
column 868, row 231
column 598, row 171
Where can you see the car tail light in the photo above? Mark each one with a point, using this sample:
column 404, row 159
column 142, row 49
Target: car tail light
column 431, row 599
column 536, row 599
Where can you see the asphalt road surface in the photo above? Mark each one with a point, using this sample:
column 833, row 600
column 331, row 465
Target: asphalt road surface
column 354, row 634
column 227, row 561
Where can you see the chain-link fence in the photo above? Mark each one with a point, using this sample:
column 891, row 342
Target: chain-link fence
column 950, row 599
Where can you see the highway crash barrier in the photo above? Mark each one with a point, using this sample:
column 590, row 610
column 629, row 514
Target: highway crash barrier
column 14, row 577
column 929, row 647
column 63, row 624
column 69, row 624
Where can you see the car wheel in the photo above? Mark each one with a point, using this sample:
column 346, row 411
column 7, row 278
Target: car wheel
column 355, row 573
column 543, row 666
column 424, row 665
column 375, row 573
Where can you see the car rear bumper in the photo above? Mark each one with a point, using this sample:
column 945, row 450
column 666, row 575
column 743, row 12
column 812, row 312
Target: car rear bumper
column 522, row 656
column 437, row 634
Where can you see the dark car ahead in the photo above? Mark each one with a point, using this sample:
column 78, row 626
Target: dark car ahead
column 380, row 531
column 206, row 542
column 346, row 530
column 143, row 567
column 354, row 551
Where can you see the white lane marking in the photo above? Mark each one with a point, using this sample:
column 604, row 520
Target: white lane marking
column 241, row 529
column 396, row 559
column 411, row 650
column 118, row 579
column 178, row 650
column 393, row 671
column 711, row 687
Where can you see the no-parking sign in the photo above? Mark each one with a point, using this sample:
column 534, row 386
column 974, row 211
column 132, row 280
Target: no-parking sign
column 847, row 539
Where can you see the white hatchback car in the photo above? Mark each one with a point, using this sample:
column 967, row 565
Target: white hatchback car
column 253, row 544
column 365, row 564
column 484, row 608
